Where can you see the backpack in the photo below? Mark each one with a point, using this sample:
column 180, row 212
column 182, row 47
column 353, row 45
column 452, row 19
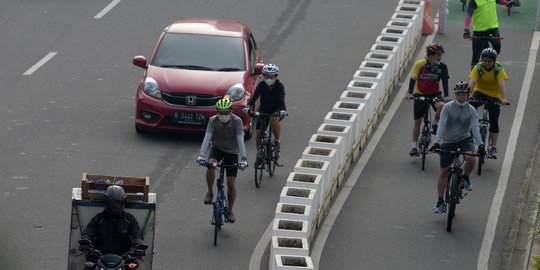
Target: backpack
column 498, row 68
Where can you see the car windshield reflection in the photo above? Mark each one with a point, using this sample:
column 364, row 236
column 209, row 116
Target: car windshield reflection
column 200, row 52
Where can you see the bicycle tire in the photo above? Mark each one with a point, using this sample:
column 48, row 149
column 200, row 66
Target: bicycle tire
column 259, row 166
column 270, row 158
column 481, row 158
column 275, row 157
column 217, row 221
column 454, row 199
column 424, row 144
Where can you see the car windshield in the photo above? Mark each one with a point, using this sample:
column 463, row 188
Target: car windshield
column 200, row 52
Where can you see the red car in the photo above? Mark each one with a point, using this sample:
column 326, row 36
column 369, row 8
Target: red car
column 197, row 62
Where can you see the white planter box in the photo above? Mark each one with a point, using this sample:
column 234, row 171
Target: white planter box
column 339, row 130
column 334, row 142
column 381, row 67
column 393, row 41
column 384, row 57
column 410, row 9
column 359, row 108
column 388, row 49
column 285, row 262
column 290, row 228
column 414, row 18
column 288, row 246
column 362, row 97
column 393, row 29
column 331, row 156
column 290, row 211
column 376, row 83
column 313, row 167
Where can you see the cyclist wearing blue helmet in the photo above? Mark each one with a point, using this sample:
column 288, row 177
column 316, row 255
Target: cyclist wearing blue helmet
column 271, row 95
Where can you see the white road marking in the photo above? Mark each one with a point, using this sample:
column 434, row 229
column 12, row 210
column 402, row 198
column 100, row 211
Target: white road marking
column 107, row 9
column 40, row 63
column 495, row 211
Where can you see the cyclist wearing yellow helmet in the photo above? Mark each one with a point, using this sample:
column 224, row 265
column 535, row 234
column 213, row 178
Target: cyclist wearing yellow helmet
column 225, row 138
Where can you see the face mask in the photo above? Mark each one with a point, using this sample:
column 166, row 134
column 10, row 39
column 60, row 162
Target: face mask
column 270, row 81
column 461, row 104
column 224, row 118
column 437, row 62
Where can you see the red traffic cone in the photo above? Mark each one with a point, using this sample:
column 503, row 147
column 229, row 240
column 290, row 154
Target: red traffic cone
column 428, row 26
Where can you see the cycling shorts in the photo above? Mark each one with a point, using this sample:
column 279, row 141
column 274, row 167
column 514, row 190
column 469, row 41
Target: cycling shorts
column 228, row 158
column 446, row 159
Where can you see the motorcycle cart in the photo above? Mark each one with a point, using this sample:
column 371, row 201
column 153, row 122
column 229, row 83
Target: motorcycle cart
column 87, row 201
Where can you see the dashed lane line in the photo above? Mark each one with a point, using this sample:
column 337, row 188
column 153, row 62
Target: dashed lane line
column 40, row 63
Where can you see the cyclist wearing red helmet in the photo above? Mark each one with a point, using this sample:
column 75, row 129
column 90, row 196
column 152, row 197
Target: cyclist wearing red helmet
column 425, row 76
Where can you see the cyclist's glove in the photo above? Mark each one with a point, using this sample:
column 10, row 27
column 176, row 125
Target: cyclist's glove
column 243, row 163
column 283, row 113
column 435, row 147
column 466, row 33
column 481, row 150
column 201, row 161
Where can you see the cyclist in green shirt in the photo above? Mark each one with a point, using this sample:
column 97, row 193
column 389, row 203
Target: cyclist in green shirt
column 485, row 23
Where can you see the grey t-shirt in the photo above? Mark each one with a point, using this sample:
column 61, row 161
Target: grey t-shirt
column 456, row 124
column 224, row 137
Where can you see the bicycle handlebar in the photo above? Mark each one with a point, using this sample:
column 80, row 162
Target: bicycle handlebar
column 488, row 102
column 486, row 38
column 441, row 151
column 217, row 164
column 258, row 114
column 426, row 99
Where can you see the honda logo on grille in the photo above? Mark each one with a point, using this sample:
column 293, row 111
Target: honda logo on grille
column 191, row 100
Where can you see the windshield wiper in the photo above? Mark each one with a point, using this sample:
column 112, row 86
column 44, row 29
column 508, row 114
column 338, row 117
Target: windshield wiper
column 192, row 67
column 229, row 69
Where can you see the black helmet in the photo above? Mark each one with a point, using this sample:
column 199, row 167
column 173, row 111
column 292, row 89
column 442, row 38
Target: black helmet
column 433, row 48
column 115, row 199
column 489, row 53
column 462, row 87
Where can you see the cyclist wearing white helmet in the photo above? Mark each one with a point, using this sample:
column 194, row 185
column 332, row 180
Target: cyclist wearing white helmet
column 488, row 81
column 271, row 95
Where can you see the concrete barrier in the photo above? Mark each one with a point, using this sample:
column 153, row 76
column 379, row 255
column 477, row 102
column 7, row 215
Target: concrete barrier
column 290, row 228
column 338, row 130
column 338, row 118
column 331, row 156
column 289, row 246
column 389, row 49
column 286, row 262
column 362, row 97
column 383, row 57
column 412, row 9
column 316, row 167
column 414, row 18
column 402, row 32
column 359, row 108
column 393, row 41
column 371, row 81
column 383, row 67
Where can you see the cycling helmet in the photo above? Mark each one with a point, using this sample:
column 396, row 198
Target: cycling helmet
column 433, row 48
column 115, row 199
column 489, row 53
column 270, row 69
column 462, row 87
column 224, row 103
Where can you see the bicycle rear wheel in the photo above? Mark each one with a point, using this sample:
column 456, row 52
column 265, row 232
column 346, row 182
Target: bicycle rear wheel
column 259, row 165
column 481, row 158
column 453, row 199
column 423, row 145
column 270, row 162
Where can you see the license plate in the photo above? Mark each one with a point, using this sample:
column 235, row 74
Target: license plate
column 189, row 118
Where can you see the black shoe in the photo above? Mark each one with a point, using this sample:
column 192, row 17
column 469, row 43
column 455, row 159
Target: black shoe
column 208, row 198
column 434, row 129
column 413, row 152
column 276, row 146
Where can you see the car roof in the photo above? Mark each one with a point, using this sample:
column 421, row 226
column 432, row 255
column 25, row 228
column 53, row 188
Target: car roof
column 207, row 27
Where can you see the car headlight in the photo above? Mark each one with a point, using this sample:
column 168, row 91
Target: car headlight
column 151, row 87
column 236, row 92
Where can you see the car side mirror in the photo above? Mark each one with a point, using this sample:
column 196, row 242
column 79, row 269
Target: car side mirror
column 139, row 61
column 258, row 69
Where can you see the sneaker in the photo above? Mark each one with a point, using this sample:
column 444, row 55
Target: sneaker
column 276, row 145
column 208, row 198
column 467, row 181
column 493, row 152
column 434, row 129
column 413, row 152
column 230, row 217
column 439, row 207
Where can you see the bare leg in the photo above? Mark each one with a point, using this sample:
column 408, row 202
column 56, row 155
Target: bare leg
column 438, row 106
column 416, row 130
column 470, row 162
column 494, row 138
column 441, row 181
column 210, row 176
column 276, row 128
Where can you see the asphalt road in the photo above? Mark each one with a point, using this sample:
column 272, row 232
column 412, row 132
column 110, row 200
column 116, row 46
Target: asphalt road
column 76, row 112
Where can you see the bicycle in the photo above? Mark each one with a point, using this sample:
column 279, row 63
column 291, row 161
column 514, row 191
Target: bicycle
column 267, row 157
column 219, row 205
column 455, row 184
column 425, row 136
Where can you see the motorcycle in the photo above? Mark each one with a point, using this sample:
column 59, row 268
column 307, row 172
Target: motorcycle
column 111, row 261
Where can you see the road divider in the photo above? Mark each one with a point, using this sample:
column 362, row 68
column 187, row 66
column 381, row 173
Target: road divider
column 332, row 151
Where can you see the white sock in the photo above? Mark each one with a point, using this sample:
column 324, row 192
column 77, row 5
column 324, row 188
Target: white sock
column 414, row 145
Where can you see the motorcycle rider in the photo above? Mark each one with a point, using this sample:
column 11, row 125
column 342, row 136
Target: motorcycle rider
column 114, row 231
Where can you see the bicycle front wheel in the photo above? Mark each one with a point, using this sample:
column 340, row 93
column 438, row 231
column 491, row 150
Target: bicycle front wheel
column 270, row 161
column 423, row 145
column 481, row 158
column 259, row 165
column 453, row 199
column 217, row 222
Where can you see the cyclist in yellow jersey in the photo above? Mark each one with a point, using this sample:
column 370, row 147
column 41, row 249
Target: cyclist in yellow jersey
column 485, row 23
column 488, row 81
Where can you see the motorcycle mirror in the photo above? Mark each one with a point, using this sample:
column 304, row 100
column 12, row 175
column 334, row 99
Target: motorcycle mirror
column 85, row 242
column 142, row 246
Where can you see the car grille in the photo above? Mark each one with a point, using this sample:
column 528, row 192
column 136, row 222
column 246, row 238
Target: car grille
column 190, row 100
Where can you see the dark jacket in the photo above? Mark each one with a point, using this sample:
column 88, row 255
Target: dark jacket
column 113, row 234
column 272, row 100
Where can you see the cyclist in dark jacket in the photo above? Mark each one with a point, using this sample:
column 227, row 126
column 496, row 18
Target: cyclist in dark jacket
column 113, row 231
column 272, row 99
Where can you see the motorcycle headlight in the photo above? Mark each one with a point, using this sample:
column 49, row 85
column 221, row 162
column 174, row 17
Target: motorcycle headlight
column 236, row 92
column 151, row 87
